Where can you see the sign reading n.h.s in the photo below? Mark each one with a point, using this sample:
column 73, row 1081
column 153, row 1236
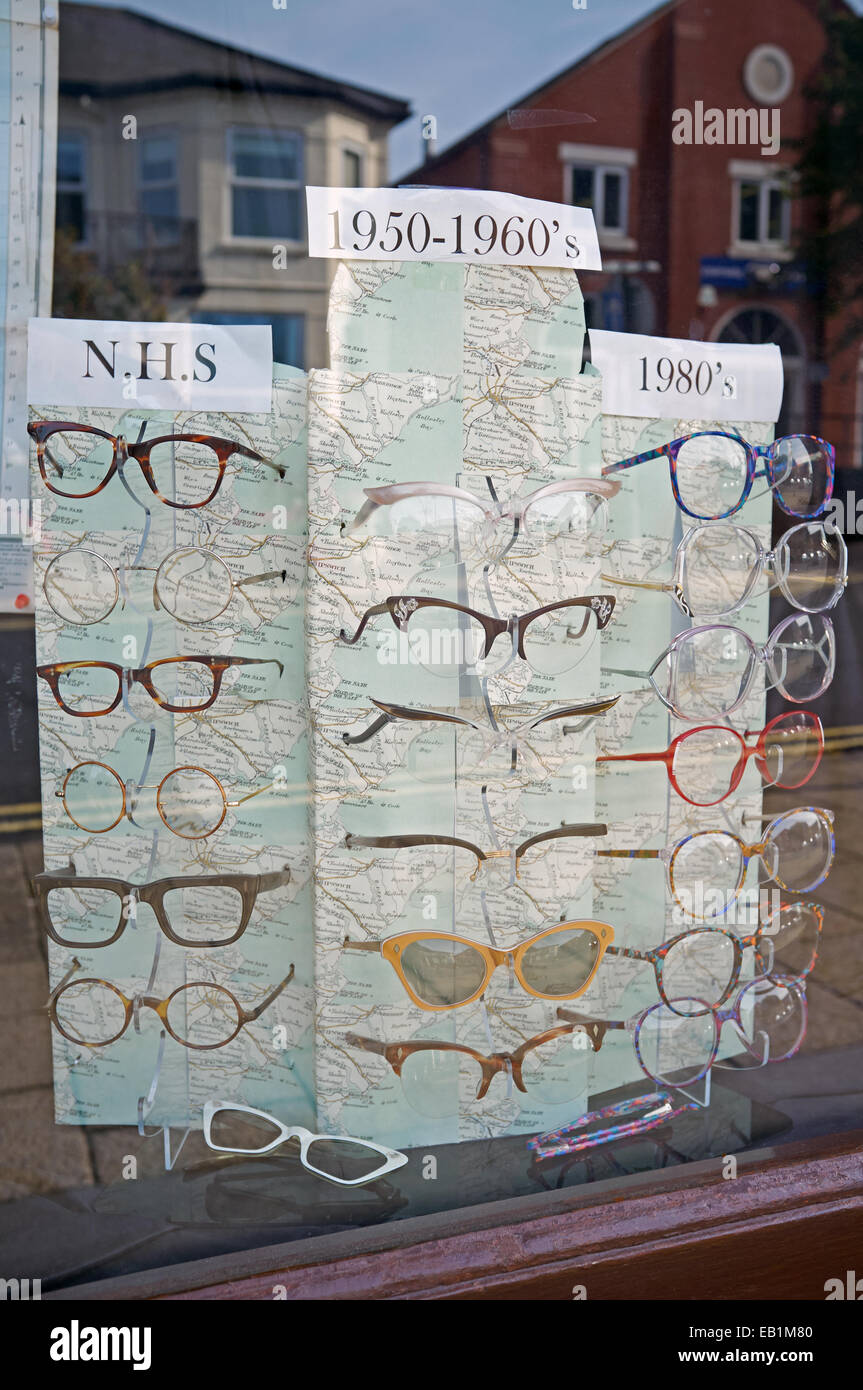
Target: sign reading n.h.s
column 157, row 366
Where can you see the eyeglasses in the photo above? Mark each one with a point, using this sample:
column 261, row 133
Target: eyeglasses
column 711, row 670
column 445, row 852
column 240, row 1129
column 447, row 639
column 200, row 1015
column 443, row 971
column 705, row 962
column 716, row 569
column 709, row 867
column 178, row 684
column 181, row 470
column 677, row 1048
column 436, row 1075
column 206, row 910
column 434, row 514
column 706, row 765
column 191, row 801
column 483, row 751
column 194, row 585
column 712, row 472
column 648, row 1112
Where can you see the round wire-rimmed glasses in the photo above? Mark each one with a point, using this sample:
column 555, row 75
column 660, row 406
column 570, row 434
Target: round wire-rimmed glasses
column 97, row 1006
column 705, row 765
column 84, row 459
column 102, row 682
column 193, row 584
column 186, row 796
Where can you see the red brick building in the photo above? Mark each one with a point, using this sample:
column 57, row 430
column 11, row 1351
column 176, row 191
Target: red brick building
column 697, row 238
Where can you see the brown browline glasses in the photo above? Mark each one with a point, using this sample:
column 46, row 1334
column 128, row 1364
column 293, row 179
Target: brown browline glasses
column 143, row 675
column 563, row 832
column 396, row 1054
column 42, row 432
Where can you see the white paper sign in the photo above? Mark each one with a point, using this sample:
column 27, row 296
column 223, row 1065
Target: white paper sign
column 674, row 378
column 158, row 366
column 449, row 224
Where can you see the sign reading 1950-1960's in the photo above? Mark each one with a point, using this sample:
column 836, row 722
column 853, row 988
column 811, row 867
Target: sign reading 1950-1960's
column 449, row 224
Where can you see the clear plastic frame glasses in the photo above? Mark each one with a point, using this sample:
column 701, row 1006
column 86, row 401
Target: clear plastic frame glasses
column 194, row 585
column 203, row 910
column 441, row 971
column 176, row 684
column 705, row 765
column 191, row 801
column 717, row 568
column 182, row 470
column 481, row 751
column 709, row 671
column 454, row 518
column 712, row 472
column 240, row 1129
column 447, row 639
column 678, row 1046
column 200, row 1015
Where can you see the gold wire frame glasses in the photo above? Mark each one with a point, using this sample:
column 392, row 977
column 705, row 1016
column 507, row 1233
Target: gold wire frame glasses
column 191, row 801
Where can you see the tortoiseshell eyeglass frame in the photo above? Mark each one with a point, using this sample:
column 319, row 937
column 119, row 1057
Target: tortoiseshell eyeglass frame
column 42, row 431
column 401, row 608
column 515, row 853
column 217, row 665
column 153, row 894
column 159, row 1007
column 396, row 1054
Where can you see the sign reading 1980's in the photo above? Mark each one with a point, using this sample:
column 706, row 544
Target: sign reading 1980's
column 449, row 224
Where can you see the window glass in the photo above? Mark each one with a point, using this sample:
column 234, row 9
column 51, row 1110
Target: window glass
column 265, row 188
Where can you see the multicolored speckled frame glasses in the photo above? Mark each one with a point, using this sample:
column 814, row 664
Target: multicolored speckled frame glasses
column 712, row 472
column 679, row 1046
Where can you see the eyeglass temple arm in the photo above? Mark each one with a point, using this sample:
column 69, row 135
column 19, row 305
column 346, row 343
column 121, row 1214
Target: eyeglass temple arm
column 409, row 841
column 267, row 882
column 367, row 1044
column 588, row 709
column 618, row 671
column 259, row 458
column 595, row 1028
column 374, row 728
column 250, row 661
column 348, row 945
column 631, row 462
column 369, row 613
column 249, row 1015
column 628, row 854
column 632, row 758
column 76, row 965
column 261, row 578
column 361, row 517
column 671, row 587
column 249, row 795
column 393, row 712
